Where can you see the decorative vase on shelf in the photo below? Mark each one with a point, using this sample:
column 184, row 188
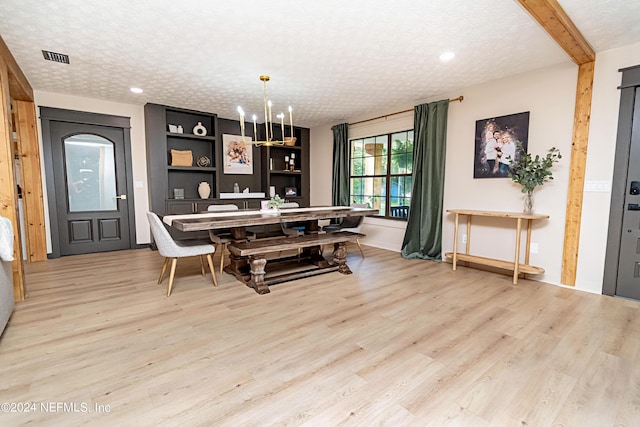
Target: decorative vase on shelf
column 199, row 130
column 528, row 202
column 204, row 190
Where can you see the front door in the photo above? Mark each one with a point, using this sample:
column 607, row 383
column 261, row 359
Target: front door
column 90, row 176
column 628, row 284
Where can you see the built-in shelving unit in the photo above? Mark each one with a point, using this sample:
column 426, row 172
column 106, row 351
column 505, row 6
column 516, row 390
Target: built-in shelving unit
column 161, row 123
column 279, row 174
column 164, row 178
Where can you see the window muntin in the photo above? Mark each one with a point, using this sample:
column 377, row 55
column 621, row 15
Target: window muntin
column 380, row 174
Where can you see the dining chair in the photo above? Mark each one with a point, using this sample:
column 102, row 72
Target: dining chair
column 172, row 249
column 349, row 223
column 293, row 229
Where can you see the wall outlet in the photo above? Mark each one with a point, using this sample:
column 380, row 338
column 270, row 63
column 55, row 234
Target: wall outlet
column 464, row 239
column 534, row 248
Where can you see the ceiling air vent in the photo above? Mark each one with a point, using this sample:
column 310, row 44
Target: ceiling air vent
column 55, row 57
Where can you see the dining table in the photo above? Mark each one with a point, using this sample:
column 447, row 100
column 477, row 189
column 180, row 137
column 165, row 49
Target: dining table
column 238, row 221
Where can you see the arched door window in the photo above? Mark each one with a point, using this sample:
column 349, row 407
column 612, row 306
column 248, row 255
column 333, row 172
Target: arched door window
column 90, row 173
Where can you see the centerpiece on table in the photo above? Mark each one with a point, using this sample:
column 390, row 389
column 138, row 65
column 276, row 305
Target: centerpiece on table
column 275, row 203
column 530, row 172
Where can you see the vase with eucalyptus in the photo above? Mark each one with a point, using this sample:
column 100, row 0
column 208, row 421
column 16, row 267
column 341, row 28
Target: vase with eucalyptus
column 530, row 171
column 275, row 202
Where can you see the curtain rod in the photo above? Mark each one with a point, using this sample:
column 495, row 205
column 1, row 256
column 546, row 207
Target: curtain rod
column 460, row 98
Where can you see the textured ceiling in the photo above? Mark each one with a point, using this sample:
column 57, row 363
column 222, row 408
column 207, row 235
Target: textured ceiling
column 330, row 59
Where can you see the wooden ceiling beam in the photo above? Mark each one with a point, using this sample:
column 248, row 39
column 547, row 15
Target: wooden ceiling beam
column 18, row 84
column 561, row 28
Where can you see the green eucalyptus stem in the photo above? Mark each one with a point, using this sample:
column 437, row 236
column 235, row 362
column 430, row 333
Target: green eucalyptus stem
column 275, row 202
column 531, row 171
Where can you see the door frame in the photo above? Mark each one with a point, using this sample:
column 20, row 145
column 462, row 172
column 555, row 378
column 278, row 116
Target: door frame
column 630, row 81
column 50, row 114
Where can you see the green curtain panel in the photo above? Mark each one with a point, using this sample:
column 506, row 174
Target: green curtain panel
column 423, row 236
column 340, row 187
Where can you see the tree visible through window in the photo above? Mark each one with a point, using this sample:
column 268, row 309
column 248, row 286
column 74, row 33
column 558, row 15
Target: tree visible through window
column 380, row 173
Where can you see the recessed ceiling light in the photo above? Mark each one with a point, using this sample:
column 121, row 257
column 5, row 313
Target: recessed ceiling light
column 136, row 90
column 447, row 56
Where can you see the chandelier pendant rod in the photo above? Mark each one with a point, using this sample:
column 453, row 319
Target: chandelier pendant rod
column 268, row 123
column 267, row 138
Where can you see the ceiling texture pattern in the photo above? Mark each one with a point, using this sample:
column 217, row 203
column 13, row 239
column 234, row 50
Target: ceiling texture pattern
column 331, row 60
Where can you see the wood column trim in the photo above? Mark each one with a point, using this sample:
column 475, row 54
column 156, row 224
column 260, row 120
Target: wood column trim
column 577, row 167
column 8, row 190
column 31, row 180
column 19, row 86
column 561, row 28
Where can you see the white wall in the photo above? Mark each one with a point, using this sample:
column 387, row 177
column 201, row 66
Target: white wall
column 549, row 94
column 600, row 157
column 138, row 154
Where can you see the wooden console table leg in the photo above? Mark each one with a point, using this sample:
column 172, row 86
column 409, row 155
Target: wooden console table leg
column 516, row 265
column 340, row 257
column 455, row 242
column 468, row 235
column 528, row 246
column 257, row 263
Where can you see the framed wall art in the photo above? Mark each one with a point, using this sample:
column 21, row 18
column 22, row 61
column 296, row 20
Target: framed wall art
column 496, row 142
column 237, row 155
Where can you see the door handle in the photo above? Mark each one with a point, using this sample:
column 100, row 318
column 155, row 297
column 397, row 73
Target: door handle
column 122, row 197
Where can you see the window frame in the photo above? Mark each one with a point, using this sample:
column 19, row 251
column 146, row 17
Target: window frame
column 387, row 176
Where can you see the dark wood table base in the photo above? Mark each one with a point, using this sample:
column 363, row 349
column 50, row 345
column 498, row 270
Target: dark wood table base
column 252, row 269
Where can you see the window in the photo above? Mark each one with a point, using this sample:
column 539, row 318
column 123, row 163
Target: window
column 380, row 173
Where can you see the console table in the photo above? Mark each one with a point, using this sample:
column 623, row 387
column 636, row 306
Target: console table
column 514, row 265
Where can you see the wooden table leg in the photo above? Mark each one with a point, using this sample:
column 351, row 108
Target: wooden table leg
column 528, row 246
column 455, row 243
column 516, row 265
column 340, row 257
column 239, row 266
column 468, row 235
column 257, row 263
column 315, row 256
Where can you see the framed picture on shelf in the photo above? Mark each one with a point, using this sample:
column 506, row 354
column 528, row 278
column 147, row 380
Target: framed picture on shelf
column 237, row 155
column 290, row 191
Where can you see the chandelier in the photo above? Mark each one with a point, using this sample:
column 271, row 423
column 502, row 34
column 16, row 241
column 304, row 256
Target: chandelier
column 268, row 123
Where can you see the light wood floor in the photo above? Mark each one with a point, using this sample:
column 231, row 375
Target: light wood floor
column 398, row 343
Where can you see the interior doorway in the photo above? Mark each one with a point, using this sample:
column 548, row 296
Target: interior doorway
column 89, row 182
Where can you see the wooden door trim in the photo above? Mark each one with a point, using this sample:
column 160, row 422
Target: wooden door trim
column 48, row 115
column 8, row 189
column 19, row 85
column 31, row 182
